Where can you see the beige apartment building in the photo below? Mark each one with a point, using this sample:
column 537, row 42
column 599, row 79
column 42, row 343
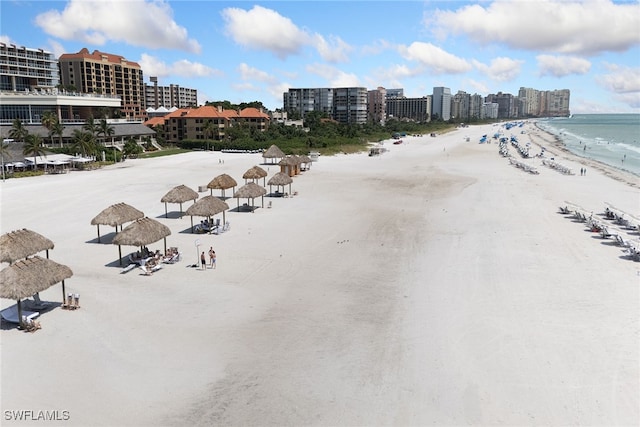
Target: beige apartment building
column 105, row 74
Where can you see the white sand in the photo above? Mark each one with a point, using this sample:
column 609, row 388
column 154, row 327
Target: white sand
column 432, row 285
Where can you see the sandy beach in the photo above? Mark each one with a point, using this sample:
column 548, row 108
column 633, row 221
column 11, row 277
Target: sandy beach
column 435, row 284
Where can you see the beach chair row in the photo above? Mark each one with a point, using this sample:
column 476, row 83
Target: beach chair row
column 557, row 166
column 606, row 231
column 525, row 167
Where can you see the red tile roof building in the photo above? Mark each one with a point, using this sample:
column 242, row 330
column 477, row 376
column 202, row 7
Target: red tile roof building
column 192, row 123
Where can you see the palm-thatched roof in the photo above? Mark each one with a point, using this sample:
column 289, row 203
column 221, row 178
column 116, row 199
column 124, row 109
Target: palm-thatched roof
column 30, row 276
column 21, row 244
column 280, row 179
column 142, row 232
column 290, row 160
column 250, row 190
column 117, row 214
column 222, row 182
column 207, row 206
column 304, row 158
column 273, row 152
column 255, row 172
column 180, row 194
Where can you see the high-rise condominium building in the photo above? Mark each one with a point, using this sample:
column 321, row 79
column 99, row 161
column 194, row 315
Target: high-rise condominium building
column 105, row 73
column 377, row 104
column 24, row 68
column 441, row 107
column 350, row 105
column 414, row 109
column 299, row 102
column 156, row 96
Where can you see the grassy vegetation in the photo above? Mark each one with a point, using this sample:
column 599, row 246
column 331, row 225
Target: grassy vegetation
column 160, row 153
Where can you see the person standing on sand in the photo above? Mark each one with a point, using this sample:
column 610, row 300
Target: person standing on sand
column 203, row 261
column 212, row 258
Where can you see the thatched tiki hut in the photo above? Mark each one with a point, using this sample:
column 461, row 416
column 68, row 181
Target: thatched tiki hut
column 179, row 194
column 142, row 232
column 250, row 190
column 290, row 165
column 305, row 162
column 280, row 179
column 29, row 276
column 222, row 182
column 20, row 244
column 254, row 174
column 116, row 215
column 272, row 154
column 207, row 207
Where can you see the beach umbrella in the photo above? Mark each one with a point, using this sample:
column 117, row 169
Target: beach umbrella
column 29, row 276
column 21, row 244
column 179, row 194
column 207, row 207
column 222, row 182
column 250, row 190
column 116, row 215
column 254, row 174
column 141, row 232
column 273, row 152
column 280, row 179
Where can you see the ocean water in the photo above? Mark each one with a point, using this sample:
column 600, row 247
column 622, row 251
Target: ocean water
column 613, row 139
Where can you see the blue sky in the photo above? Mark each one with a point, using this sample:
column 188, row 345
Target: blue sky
column 246, row 51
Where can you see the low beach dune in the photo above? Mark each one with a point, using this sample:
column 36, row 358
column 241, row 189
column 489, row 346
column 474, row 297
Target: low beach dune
column 434, row 284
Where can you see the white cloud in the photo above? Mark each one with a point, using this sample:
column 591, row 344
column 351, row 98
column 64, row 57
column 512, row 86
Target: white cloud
column 334, row 50
column 264, row 29
column 435, row 58
column 573, row 27
column 7, row 40
column 621, row 79
column 334, row 76
column 152, row 66
column 500, row 69
column 136, row 22
column 560, row 66
column 254, row 74
column 478, row 87
column 623, row 82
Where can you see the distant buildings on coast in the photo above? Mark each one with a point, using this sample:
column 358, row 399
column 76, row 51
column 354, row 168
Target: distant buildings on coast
column 77, row 86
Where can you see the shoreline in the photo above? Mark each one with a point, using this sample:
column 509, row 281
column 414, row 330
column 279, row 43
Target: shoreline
column 550, row 140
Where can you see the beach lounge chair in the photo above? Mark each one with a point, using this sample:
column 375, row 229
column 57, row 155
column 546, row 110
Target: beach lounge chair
column 10, row 314
column 172, row 259
column 128, row 268
column 149, row 271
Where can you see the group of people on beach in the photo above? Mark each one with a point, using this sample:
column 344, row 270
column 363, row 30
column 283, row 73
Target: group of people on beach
column 212, row 259
column 583, row 171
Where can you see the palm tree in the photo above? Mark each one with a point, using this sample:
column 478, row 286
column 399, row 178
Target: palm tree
column 4, row 151
column 208, row 129
column 159, row 134
column 84, row 142
column 49, row 119
column 91, row 126
column 105, row 129
column 18, row 131
column 58, row 129
column 33, row 147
